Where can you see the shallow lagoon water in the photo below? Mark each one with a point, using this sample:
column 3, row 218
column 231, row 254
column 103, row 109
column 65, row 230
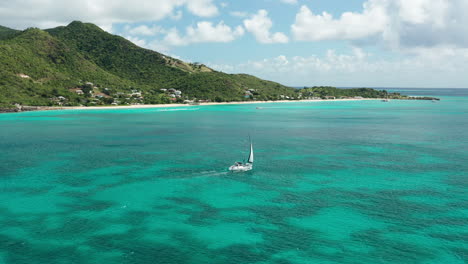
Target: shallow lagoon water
column 334, row 182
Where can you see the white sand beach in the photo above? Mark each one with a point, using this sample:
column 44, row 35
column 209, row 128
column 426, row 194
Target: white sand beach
column 201, row 104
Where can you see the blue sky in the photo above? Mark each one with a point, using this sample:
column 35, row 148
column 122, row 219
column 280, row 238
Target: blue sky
column 247, row 47
column 371, row 43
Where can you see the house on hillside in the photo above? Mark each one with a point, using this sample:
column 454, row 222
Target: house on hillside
column 24, row 76
column 136, row 94
column 58, row 100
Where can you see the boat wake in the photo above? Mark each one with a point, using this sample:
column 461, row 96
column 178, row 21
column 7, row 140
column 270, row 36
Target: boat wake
column 211, row 173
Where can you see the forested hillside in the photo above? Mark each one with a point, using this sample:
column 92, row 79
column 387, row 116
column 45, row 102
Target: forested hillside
column 82, row 64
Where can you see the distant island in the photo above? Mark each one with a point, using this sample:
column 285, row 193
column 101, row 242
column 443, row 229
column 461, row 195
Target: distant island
column 82, row 65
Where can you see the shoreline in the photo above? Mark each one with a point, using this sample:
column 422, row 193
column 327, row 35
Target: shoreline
column 143, row 106
column 201, row 104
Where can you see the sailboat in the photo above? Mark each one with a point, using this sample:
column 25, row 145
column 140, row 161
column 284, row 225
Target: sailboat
column 240, row 167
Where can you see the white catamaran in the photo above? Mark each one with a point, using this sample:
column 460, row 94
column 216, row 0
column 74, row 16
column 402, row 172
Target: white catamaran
column 240, row 167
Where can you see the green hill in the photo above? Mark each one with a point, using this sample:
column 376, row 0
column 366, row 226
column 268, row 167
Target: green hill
column 38, row 66
column 6, row 33
column 80, row 64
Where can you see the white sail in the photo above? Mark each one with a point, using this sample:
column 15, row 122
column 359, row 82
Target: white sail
column 239, row 167
column 251, row 156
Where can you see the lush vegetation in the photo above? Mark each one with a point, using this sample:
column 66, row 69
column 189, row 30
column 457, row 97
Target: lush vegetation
column 80, row 64
column 324, row 91
column 6, row 33
column 37, row 66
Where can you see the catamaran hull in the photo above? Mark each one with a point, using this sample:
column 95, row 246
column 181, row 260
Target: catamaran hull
column 235, row 168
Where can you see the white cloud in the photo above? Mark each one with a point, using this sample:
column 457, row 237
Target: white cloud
column 291, row 2
column 203, row 32
column 423, row 67
column 397, row 23
column 137, row 41
column 26, row 13
column 151, row 44
column 207, row 32
column 144, row 30
column 311, row 27
column 430, row 23
column 173, row 38
column 260, row 24
column 204, row 8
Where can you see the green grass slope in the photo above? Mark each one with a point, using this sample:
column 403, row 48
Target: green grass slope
column 118, row 55
column 152, row 69
column 51, row 66
column 37, row 65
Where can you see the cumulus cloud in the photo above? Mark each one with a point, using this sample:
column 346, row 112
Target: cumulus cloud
column 312, row 27
column 260, row 24
column 151, row 44
column 137, row 41
column 25, row 13
column 203, row 32
column 144, row 30
column 425, row 67
column 398, row 23
column 204, row 8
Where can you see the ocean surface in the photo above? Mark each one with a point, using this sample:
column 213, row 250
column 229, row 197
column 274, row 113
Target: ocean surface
column 333, row 182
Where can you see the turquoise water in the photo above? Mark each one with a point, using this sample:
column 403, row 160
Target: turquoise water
column 334, row 182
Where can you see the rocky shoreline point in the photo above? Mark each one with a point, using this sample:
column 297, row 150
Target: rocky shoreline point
column 25, row 108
